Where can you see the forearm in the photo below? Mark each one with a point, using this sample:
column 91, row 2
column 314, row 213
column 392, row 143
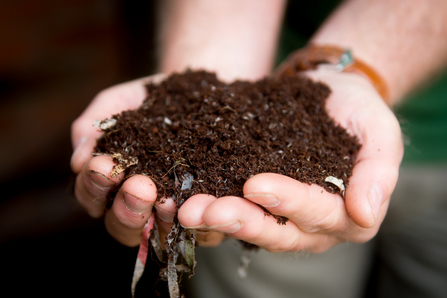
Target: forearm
column 405, row 41
column 237, row 39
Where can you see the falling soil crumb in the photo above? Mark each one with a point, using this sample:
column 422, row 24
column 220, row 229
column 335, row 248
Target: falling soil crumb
column 223, row 134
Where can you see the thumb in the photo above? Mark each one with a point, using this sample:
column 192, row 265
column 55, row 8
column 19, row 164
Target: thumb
column 375, row 174
column 371, row 186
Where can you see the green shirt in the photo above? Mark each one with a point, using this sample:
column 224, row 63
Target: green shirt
column 423, row 118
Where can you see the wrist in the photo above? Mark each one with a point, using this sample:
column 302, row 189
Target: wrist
column 338, row 59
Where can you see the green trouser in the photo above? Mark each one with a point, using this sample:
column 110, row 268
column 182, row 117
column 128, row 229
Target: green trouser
column 412, row 243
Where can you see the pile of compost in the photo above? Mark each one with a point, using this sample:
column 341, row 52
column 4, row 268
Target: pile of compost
column 223, row 134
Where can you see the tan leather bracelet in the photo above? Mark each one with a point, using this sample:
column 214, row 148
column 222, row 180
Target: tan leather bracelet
column 311, row 56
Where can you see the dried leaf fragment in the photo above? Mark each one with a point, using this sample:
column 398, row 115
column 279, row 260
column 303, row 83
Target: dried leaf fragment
column 155, row 241
column 123, row 163
column 172, row 251
column 187, row 245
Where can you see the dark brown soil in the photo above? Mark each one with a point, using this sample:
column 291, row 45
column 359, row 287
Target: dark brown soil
column 224, row 134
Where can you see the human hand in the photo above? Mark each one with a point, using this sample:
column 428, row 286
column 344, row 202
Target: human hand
column 135, row 199
column 317, row 220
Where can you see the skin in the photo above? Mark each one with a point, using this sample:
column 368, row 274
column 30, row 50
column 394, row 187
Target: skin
column 405, row 41
column 236, row 39
column 194, row 34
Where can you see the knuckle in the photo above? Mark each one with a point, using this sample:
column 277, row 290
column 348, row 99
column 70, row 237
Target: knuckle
column 287, row 244
column 328, row 223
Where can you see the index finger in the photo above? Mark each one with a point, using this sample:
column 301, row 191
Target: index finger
column 310, row 207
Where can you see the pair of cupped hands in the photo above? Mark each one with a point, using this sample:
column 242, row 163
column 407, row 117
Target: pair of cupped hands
column 317, row 221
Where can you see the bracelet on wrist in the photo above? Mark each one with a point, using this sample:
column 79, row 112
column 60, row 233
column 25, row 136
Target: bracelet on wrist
column 311, row 56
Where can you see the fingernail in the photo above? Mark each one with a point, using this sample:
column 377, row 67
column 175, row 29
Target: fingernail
column 375, row 197
column 228, row 228
column 135, row 204
column 100, row 180
column 263, row 199
column 164, row 215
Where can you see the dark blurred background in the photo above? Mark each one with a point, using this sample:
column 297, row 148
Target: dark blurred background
column 54, row 57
